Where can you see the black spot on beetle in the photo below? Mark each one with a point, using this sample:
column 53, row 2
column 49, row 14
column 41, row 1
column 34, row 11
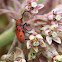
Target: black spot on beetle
column 20, row 35
column 19, row 30
column 16, row 25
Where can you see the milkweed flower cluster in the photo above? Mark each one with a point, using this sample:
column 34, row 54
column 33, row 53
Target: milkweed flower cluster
column 34, row 41
column 51, row 31
column 32, row 6
column 56, row 17
column 51, row 34
column 40, row 39
column 17, row 56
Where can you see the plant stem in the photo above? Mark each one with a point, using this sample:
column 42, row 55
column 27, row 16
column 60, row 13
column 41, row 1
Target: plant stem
column 19, row 44
column 13, row 44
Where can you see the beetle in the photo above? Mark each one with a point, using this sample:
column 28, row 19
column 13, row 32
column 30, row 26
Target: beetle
column 20, row 30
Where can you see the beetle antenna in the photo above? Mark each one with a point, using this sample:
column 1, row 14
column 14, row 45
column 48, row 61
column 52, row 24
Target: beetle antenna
column 24, row 13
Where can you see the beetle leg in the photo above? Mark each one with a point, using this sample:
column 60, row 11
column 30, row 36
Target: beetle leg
column 28, row 33
column 16, row 25
column 24, row 31
column 27, row 29
column 26, row 24
column 26, row 39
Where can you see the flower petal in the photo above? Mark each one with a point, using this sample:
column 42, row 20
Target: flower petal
column 58, row 58
column 34, row 11
column 18, row 53
column 54, row 34
column 38, row 36
column 35, row 48
column 50, row 17
column 31, row 37
column 57, row 39
column 47, row 32
column 35, row 43
column 34, row 4
column 58, row 17
column 28, row 1
column 45, row 27
column 42, row 44
column 27, row 7
column 28, row 44
column 31, row 55
column 52, row 27
column 39, row 6
column 22, row 60
column 34, row 0
column 49, row 40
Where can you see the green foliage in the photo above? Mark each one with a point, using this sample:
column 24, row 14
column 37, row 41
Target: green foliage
column 39, row 1
column 3, row 20
column 7, row 36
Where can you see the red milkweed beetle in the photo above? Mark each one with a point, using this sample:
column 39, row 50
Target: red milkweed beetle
column 20, row 29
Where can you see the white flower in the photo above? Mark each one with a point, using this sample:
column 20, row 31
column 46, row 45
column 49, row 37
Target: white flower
column 38, row 36
column 31, row 37
column 49, row 40
column 22, row 60
column 34, row 4
column 33, row 57
column 45, row 27
column 36, row 43
column 54, row 34
column 47, row 32
column 58, row 58
column 53, row 26
column 58, row 17
column 50, row 17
